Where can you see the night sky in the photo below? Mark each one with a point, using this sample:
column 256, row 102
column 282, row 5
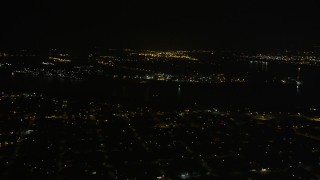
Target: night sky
column 159, row 24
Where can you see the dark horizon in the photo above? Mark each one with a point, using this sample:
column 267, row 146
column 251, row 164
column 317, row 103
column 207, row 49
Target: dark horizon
column 160, row 25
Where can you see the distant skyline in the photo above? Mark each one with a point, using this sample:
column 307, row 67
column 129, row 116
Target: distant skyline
column 159, row 24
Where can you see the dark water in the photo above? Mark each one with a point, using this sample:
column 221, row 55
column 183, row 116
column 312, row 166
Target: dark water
column 170, row 95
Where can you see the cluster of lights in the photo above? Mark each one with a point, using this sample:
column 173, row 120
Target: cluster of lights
column 55, row 73
column 106, row 63
column 297, row 59
column 167, row 54
column 60, row 60
column 215, row 78
column 2, row 54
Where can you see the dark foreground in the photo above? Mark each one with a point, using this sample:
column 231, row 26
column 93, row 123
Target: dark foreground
column 45, row 137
